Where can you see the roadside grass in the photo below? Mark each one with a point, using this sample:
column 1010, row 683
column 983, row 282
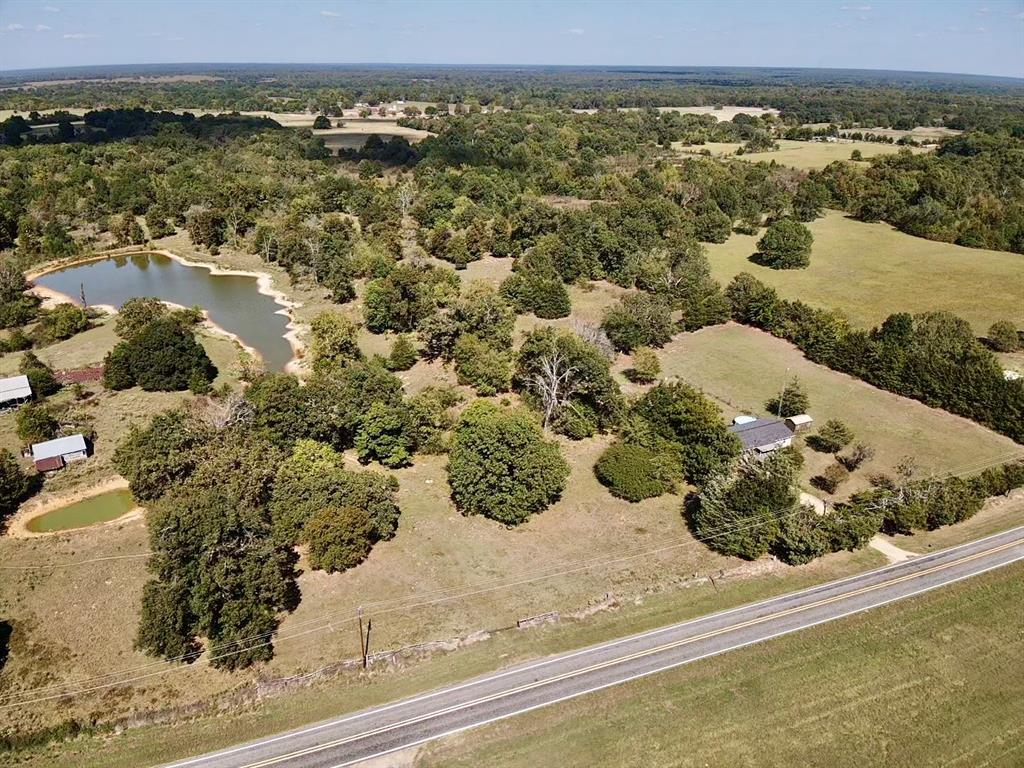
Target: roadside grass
column 742, row 367
column 932, row 680
column 351, row 691
column 869, row 271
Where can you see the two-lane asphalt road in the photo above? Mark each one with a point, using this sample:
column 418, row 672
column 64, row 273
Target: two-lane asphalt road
column 352, row 738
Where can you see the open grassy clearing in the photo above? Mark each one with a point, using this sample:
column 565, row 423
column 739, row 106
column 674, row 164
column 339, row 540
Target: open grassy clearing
column 742, row 367
column 842, row 694
column 869, row 271
column 803, row 155
column 354, row 133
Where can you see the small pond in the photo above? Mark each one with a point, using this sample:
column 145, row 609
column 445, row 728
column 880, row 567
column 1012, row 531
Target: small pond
column 95, row 509
column 233, row 301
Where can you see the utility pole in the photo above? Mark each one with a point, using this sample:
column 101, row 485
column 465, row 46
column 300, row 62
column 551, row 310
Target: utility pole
column 364, row 639
column 81, row 291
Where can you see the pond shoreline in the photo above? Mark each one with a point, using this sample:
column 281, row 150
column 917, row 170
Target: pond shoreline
column 264, row 286
column 18, row 528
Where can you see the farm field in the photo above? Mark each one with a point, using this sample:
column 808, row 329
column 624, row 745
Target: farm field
column 803, row 155
column 354, row 133
column 742, row 367
column 869, row 271
column 833, row 695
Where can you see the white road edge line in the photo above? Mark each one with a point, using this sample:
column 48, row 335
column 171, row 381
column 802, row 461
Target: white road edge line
column 923, row 559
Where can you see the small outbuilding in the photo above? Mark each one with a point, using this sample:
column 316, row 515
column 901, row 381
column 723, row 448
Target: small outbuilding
column 14, row 390
column 763, row 436
column 56, row 454
column 799, row 423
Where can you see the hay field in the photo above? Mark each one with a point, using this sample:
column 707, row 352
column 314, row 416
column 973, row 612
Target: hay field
column 872, row 270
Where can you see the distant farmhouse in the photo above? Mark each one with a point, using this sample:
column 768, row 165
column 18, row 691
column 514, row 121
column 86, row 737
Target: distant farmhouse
column 14, row 391
column 762, row 436
column 56, row 454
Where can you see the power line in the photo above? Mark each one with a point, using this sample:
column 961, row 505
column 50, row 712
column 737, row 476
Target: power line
column 315, row 625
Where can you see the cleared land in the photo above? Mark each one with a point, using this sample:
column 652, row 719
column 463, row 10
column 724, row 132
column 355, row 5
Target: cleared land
column 354, row 133
column 872, row 270
column 803, row 155
column 742, row 367
column 837, row 695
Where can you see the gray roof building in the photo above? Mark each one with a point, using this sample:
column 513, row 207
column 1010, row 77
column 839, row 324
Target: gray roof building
column 763, row 435
column 14, row 389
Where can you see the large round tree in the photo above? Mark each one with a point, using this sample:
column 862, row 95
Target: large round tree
column 786, row 245
column 500, row 466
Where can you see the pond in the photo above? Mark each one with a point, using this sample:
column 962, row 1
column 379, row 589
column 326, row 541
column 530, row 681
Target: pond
column 95, row 509
column 233, row 301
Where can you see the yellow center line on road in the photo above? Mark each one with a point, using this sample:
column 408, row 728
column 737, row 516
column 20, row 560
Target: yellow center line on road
column 626, row 658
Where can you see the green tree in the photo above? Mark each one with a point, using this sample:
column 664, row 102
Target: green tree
column 831, row 437
column 403, row 354
column 162, row 454
column 14, row 484
column 681, row 421
column 482, row 367
column 338, row 539
column 135, row 314
column 36, row 422
column 785, row 245
column 63, row 322
column 162, row 356
column 792, row 401
column 126, row 230
column 335, row 341
column 387, row 435
column 40, row 377
column 638, row 320
column 740, row 509
column 321, row 123
column 501, row 467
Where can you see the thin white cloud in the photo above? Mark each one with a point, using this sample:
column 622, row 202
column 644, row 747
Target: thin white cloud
column 575, row 31
column 79, row 36
column 858, row 8
column 42, row 28
column 14, row 28
column 330, row 14
column 51, row 9
column 176, row 39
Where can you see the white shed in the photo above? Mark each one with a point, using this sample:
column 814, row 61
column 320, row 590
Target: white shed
column 14, row 390
column 54, row 454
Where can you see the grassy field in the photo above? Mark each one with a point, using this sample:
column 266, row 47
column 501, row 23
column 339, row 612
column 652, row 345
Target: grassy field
column 803, row 155
column 935, row 680
column 872, row 270
column 354, row 133
column 742, row 367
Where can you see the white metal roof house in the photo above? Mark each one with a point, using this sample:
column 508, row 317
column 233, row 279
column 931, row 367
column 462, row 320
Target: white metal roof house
column 55, row 454
column 763, row 436
column 14, row 390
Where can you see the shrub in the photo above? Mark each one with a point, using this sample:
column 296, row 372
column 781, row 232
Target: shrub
column 403, row 354
column 14, row 486
column 785, row 245
column 631, row 472
column 117, row 368
column 859, row 453
column 646, row 367
column 501, row 467
column 338, row 539
column 830, row 480
column 163, row 356
column 1004, row 337
column 638, row 320
column 802, row 537
column 335, row 341
column 40, row 377
column 792, row 401
column 36, row 422
column 832, row 437
column 135, row 314
column 487, row 370
column 63, row 322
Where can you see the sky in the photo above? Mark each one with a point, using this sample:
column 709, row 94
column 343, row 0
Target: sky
column 976, row 37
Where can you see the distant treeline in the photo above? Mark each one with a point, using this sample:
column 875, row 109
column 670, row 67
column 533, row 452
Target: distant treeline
column 849, row 98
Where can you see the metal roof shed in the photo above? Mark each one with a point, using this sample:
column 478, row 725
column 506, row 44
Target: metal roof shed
column 68, row 448
column 15, row 389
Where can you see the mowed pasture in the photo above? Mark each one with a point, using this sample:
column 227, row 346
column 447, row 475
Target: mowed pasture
column 869, row 271
column 802, row 155
column 934, row 680
column 354, row 133
column 742, row 367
